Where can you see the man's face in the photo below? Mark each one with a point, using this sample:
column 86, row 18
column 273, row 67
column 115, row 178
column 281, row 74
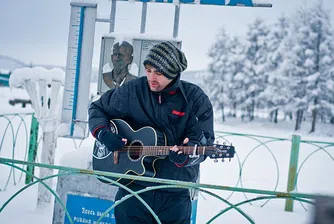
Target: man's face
column 155, row 79
column 120, row 59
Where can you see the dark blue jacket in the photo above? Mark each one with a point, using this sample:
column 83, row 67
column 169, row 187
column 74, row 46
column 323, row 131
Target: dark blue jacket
column 166, row 111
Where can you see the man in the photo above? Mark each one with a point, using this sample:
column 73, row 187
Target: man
column 157, row 101
column 121, row 58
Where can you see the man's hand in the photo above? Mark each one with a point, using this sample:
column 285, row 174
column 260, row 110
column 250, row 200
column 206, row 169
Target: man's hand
column 176, row 155
column 111, row 140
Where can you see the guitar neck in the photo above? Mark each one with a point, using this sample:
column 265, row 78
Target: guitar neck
column 164, row 150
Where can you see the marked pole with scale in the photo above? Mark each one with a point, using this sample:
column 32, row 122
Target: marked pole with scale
column 78, row 68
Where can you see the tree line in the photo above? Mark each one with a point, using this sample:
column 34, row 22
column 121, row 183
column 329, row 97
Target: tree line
column 285, row 67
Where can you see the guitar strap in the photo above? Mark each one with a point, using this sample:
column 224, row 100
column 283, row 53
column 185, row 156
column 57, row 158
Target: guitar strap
column 202, row 141
column 202, row 138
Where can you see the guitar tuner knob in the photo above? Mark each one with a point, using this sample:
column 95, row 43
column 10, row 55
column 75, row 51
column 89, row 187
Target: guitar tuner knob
column 223, row 160
column 215, row 160
column 229, row 160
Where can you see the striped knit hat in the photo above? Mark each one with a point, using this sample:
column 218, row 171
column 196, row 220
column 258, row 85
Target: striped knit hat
column 166, row 59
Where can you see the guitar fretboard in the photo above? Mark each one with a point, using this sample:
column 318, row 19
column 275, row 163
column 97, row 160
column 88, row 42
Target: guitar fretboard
column 164, row 150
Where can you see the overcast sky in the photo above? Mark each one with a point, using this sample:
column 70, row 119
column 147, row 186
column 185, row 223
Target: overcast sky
column 37, row 30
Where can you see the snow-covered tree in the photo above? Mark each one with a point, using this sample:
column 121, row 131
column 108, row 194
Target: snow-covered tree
column 275, row 95
column 219, row 70
column 235, row 88
column 255, row 60
column 307, row 62
column 319, row 87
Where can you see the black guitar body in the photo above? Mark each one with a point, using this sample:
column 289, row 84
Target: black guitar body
column 130, row 161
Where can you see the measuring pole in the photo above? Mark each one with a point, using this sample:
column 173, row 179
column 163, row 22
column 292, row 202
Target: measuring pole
column 78, row 68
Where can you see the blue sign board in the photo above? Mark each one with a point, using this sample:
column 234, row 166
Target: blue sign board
column 193, row 211
column 87, row 209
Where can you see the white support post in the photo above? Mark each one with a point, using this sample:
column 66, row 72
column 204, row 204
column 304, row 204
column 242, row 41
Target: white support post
column 43, row 86
column 48, row 155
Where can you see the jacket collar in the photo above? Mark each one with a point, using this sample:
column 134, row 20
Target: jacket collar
column 173, row 86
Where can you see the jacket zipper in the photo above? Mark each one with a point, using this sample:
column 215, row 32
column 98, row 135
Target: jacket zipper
column 159, row 107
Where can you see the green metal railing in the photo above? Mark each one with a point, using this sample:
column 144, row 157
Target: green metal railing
column 292, row 147
column 14, row 133
column 306, row 198
column 264, row 142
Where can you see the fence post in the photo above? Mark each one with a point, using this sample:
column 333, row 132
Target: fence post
column 32, row 147
column 292, row 178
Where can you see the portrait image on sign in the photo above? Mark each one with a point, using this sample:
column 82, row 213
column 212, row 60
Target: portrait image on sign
column 122, row 59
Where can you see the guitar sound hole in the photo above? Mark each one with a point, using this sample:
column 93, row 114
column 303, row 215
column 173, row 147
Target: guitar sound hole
column 135, row 150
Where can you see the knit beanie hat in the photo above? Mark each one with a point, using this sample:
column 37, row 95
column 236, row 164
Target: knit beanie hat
column 166, row 59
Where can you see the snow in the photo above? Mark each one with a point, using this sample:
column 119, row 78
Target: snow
column 84, row 2
column 4, row 71
column 19, row 75
column 77, row 158
column 63, row 129
column 44, row 87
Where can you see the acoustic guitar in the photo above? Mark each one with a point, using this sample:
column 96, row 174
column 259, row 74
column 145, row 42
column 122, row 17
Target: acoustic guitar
column 144, row 147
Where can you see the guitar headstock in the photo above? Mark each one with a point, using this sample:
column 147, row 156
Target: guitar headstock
column 221, row 151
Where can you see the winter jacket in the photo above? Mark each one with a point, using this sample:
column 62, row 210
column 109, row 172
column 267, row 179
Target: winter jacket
column 166, row 111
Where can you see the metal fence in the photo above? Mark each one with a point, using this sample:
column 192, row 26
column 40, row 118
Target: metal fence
column 18, row 131
column 287, row 156
column 287, row 167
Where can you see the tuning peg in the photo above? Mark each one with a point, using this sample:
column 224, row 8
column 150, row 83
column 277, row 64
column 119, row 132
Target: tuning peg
column 224, row 143
column 229, row 160
column 215, row 160
column 223, row 160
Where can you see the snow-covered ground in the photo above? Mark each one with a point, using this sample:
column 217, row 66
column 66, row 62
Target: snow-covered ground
column 259, row 171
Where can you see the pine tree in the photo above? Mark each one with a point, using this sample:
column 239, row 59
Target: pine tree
column 219, row 70
column 294, row 66
column 256, row 56
column 235, row 88
column 322, row 53
column 275, row 95
column 307, row 63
